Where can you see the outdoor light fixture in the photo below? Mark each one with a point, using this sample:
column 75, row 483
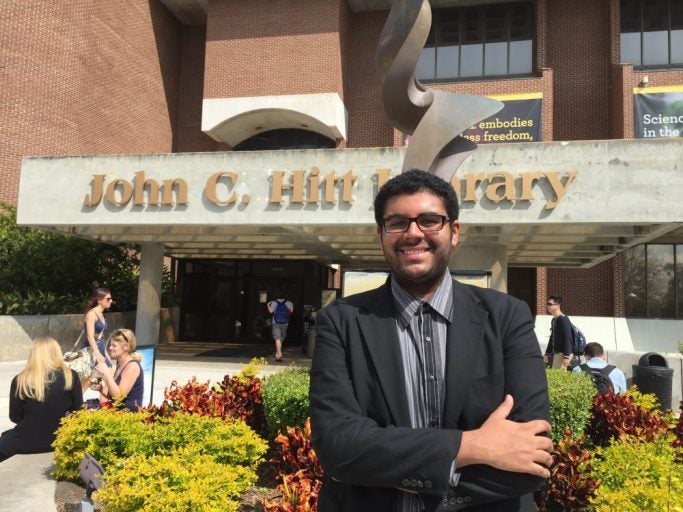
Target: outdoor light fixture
column 645, row 81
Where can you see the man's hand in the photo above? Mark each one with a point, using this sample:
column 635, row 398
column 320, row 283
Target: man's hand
column 508, row 445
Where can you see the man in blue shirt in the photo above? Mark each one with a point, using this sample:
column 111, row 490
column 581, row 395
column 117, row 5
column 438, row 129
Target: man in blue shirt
column 595, row 358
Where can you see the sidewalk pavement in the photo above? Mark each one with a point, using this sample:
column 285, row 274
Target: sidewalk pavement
column 25, row 485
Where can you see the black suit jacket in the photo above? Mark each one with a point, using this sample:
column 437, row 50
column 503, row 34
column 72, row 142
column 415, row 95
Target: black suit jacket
column 359, row 409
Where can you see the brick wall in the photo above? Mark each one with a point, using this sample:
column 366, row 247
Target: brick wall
column 585, row 292
column 84, row 77
column 579, row 53
column 273, row 47
column 541, row 290
column 368, row 124
column 189, row 136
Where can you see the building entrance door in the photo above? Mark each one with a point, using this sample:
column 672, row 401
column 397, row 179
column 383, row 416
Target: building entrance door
column 260, row 291
column 207, row 312
column 225, row 300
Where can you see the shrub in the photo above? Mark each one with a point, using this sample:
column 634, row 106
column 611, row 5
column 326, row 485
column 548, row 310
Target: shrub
column 111, row 436
column 108, row 435
column 299, row 493
column 237, row 397
column 183, row 481
column 614, row 416
column 37, row 303
column 647, row 401
column 299, row 472
column 295, row 452
column 285, row 399
column 227, row 442
column 571, row 396
column 571, row 484
column 636, row 475
column 245, row 400
column 677, row 430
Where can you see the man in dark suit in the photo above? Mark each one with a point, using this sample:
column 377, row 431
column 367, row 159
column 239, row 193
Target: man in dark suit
column 427, row 394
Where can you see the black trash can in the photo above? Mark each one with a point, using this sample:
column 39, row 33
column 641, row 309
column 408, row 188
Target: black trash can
column 653, row 375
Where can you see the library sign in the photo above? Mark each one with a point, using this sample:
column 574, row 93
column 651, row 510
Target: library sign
column 314, row 187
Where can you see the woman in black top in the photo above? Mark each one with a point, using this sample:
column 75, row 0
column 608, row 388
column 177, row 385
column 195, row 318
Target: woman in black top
column 40, row 396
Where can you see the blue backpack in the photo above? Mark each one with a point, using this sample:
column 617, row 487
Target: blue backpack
column 578, row 341
column 281, row 315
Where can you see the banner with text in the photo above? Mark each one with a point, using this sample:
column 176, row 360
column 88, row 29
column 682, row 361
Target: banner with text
column 518, row 121
column 658, row 112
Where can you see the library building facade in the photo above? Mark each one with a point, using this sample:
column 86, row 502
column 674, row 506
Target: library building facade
column 242, row 143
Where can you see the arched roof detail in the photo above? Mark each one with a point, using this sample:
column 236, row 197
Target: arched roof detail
column 233, row 120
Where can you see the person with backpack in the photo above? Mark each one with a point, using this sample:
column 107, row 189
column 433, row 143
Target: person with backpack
column 558, row 353
column 607, row 377
column 280, row 309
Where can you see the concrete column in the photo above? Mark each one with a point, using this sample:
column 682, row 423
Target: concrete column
column 147, row 319
column 483, row 257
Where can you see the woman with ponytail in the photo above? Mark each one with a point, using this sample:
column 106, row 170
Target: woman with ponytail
column 40, row 396
column 95, row 324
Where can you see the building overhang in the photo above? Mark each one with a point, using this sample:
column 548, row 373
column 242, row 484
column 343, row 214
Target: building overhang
column 556, row 204
column 232, row 120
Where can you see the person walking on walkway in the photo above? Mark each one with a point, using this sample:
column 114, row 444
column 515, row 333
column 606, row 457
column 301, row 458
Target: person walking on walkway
column 558, row 353
column 95, row 324
column 281, row 309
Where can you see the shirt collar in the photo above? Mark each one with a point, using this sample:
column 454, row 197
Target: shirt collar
column 406, row 304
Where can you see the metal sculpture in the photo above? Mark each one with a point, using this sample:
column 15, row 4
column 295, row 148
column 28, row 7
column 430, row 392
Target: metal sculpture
column 434, row 118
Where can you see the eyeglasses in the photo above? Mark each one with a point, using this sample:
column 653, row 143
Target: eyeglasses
column 551, row 304
column 118, row 333
column 109, row 299
column 427, row 222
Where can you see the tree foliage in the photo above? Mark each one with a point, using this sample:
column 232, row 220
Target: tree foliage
column 49, row 273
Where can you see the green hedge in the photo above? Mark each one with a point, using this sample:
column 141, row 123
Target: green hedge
column 179, row 482
column 285, row 399
column 185, row 462
column 106, row 435
column 571, row 398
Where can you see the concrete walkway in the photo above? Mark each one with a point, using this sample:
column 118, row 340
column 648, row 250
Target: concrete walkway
column 25, row 484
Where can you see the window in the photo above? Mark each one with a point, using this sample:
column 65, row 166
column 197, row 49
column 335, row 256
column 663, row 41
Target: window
column 652, row 33
column 476, row 42
column 654, row 281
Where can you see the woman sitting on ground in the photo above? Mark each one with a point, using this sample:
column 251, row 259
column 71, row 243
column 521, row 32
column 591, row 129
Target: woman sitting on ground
column 40, row 396
column 126, row 383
